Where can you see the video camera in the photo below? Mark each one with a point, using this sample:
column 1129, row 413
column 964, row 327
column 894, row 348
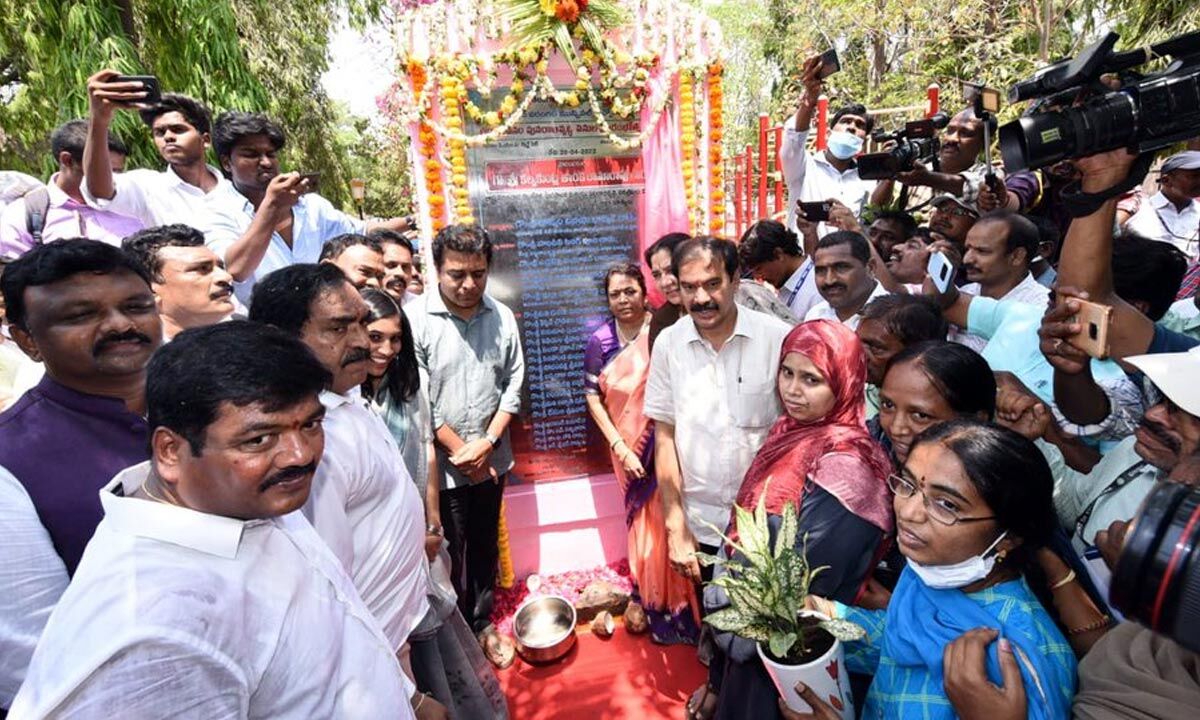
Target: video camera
column 1147, row 113
column 916, row 142
column 1157, row 577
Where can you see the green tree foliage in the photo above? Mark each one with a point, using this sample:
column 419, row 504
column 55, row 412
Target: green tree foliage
column 265, row 55
column 891, row 50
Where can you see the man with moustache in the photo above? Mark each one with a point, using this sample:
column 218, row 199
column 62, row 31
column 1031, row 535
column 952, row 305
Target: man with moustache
column 204, row 592
column 844, row 278
column 953, row 218
column 271, row 220
column 399, row 264
column 363, row 502
column 711, row 385
column 468, row 344
column 86, row 311
column 189, row 281
column 960, row 173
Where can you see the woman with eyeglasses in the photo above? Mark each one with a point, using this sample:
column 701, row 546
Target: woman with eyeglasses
column 973, row 504
column 819, row 458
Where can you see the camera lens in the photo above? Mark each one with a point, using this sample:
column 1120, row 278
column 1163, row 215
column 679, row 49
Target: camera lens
column 1157, row 578
column 1042, row 139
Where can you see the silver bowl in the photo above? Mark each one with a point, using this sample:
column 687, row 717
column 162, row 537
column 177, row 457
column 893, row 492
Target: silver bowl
column 544, row 628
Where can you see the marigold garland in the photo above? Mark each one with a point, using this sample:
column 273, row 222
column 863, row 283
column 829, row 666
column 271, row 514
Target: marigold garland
column 716, row 159
column 452, row 90
column 434, row 186
column 687, row 145
column 505, row 578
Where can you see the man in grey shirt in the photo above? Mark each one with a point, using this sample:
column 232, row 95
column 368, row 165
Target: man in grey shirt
column 468, row 345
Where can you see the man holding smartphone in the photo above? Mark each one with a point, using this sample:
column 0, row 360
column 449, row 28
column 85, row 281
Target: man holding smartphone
column 272, row 220
column 820, row 176
column 187, row 191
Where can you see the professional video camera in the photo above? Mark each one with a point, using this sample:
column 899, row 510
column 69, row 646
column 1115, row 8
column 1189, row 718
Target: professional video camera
column 1147, row 113
column 1157, row 578
column 916, row 142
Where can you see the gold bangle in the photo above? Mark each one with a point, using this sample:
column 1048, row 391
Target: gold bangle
column 418, row 705
column 1100, row 624
column 1070, row 576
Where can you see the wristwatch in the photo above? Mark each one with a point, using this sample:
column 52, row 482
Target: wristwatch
column 432, row 529
column 495, row 441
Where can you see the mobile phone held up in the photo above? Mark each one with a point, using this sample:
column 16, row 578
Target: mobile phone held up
column 829, row 63
column 1094, row 321
column 815, row 211
column 940, row 270
column 149, row 82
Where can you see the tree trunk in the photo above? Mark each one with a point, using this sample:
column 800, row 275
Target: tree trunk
column 125, row 8
column 1044, row 30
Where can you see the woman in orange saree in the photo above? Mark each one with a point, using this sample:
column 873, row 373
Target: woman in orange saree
column 616, row 365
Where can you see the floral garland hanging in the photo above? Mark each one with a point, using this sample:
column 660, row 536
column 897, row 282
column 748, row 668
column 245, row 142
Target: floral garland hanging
column 433, row 176
column 452, row 89
column 716, row 159
column 687, row 144
column 505, row 577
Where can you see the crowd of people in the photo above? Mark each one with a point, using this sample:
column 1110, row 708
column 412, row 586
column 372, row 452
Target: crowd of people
column 251, row 466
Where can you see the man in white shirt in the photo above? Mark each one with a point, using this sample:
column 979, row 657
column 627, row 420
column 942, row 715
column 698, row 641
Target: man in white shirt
column 999, row 249
column 204, row 593
column 711, row 393
column 187, row 192
column 772, row 253
column 831, row 174
column 271, row 220
column 190, row 284
column 844, row 278
column 1173, row 213
column 363, row 502
column 960, row 171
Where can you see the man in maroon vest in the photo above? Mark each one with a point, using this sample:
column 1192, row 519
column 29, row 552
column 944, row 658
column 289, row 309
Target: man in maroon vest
column 85, row 310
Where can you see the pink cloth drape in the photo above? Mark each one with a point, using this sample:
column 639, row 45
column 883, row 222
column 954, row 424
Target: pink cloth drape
column 663, row 206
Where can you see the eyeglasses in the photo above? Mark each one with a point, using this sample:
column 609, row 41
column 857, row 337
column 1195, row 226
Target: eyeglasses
column 956, row 210
column 906, row 488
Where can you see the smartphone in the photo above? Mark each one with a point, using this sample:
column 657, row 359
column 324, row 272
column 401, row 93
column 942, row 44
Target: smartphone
column 940, row 270
column 1094, row 321
column 815, row 211
column 311, row 181
column 150, row 82
column 829, row 63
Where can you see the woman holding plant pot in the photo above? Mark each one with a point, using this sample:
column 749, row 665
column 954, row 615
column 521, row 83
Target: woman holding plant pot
column 819, row 458
column 973, row 504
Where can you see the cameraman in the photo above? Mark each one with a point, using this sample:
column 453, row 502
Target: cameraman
column 960, row 171
column 833, row 173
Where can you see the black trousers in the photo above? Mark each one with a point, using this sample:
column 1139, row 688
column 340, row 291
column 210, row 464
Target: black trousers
column 470, row 519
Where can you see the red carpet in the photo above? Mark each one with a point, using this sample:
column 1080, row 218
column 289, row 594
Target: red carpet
column 625, row 676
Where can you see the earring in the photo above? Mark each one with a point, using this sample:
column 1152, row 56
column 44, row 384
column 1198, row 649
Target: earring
column 1001, row 555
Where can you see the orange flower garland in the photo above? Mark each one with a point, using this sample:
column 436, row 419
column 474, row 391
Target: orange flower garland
column 453, row 91
column 434, row 187
column 505, row 578
column 716, row 160
column 687, row 145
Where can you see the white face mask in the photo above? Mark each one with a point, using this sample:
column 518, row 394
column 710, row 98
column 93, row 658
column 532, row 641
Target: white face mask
column 971, row 570
column 844, row 145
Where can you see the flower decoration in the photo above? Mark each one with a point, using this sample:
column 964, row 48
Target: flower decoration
column 505, row 578
column 687, row 144
column 716, row 159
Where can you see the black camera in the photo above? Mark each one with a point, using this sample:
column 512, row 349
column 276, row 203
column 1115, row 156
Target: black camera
column 1157, row 578
column 1077, row 115
column 917, row 141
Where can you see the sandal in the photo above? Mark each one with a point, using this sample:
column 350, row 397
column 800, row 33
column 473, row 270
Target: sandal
column 499, row 650
column 702, row 705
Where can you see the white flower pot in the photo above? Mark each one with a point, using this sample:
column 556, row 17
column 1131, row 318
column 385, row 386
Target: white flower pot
column 826, row 676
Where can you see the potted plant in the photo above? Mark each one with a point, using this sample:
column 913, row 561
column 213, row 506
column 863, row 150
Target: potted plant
column 767, row 586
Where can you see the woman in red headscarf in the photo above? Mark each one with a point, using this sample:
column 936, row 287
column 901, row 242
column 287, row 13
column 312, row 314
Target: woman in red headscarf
column 819, row 457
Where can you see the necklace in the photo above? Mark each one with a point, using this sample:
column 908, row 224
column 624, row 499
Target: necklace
column 625, row 340
column 152, row 496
